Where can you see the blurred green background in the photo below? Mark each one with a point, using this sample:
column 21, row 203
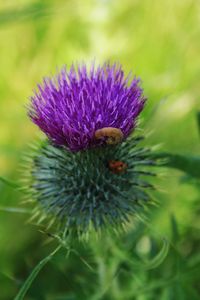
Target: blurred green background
column 157, row 40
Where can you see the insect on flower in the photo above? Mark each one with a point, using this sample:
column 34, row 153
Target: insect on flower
column 117, row 166
column 112, row 135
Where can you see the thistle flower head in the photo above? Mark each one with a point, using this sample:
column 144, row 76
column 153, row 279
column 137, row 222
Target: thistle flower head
column 70, row 108
column 101, row 186
column 90, row 171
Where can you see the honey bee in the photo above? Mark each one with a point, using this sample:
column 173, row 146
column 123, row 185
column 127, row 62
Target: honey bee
column 117, row 166
column 113, row 135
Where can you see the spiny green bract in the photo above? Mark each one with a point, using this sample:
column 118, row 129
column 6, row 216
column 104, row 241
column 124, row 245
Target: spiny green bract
column 79, row 190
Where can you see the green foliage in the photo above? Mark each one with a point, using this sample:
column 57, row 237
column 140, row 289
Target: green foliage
column 189, row 164
column 34, row 273
column 8, row 182
column 198, row 121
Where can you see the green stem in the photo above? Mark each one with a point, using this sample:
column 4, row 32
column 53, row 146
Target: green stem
column 8, row 182
column 25, row 287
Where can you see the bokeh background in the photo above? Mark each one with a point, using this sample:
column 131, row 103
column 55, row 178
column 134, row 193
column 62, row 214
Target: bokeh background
column 157, row 40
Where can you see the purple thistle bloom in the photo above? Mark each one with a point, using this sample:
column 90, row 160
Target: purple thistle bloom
column 72, row 107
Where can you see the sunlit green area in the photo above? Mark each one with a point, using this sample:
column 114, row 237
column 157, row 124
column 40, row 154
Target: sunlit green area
column 158, row 41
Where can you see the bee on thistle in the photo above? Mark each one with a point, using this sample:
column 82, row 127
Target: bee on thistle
column 112, row 135
column 87, row 172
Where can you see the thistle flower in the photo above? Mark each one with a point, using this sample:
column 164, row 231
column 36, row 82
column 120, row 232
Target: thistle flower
column 89, row 171
column 70, row 109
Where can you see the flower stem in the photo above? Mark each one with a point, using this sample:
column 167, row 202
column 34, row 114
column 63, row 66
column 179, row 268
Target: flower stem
column 25, row 287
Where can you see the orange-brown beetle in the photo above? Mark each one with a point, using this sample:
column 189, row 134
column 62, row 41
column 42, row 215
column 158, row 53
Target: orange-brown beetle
column 113, row 135
column 117, row 166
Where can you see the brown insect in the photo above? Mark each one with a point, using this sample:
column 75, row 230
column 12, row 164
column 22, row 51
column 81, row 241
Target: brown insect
column 117, row 166
column 113, row 135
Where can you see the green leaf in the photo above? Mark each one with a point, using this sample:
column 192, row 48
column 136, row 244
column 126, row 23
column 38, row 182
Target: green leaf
column 9, row 182
column 159, row 258
column 147, row 264
column 198, row 120
column 174, row 228
column 33, row 275
column 189, row 164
